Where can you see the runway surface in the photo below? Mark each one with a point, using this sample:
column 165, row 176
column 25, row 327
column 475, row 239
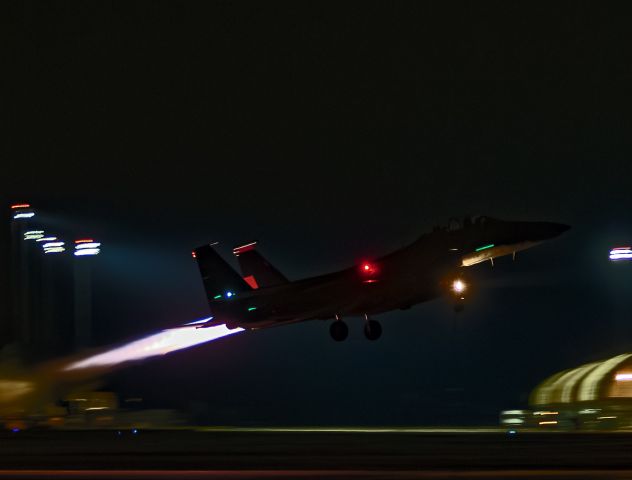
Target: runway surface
column 313, row 474
column 310, row 453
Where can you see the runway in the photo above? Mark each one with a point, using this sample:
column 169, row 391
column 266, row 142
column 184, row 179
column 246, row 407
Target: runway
column 312, row 452
column 315, row 474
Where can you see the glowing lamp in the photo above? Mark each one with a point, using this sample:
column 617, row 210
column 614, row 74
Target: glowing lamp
column 459, row 286
column 20, row 215
column 87, row 252
column 368, row 269
column 54, row 250
column 229, row 294
column 20, row 205
column 34, row 235
column 53, row 244
column 621, row 253
column 87, row 246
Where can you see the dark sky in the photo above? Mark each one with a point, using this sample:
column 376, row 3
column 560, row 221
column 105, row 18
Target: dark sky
column 327, row 132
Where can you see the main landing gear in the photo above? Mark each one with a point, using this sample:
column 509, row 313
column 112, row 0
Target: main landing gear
column 372, row 329
column 339, row 330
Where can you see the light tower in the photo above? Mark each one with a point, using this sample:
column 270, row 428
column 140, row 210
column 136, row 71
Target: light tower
column 85, row 251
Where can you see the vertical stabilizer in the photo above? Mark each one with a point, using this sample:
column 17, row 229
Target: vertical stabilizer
column 256, row 270
column 220, row 279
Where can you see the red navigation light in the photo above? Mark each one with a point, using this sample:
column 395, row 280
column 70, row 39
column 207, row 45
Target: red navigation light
column 84, row 240
column 193, row 254
column 20, row 205
column 368, row 269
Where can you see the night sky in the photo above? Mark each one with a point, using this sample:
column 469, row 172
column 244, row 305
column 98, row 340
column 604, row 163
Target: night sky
column 329, row 132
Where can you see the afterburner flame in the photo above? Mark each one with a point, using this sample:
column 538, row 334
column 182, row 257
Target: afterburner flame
column 160, row 343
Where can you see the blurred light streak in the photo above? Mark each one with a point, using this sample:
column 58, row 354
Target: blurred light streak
column 87, row 251
column 23, row 215
column 623, row 377
column 621, row 253
column 160, row 343
column 53, row 244
column 87, row 245
column 33, row 236
column 54, row 250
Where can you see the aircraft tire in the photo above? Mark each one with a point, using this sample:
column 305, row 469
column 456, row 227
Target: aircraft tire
column 339, row 330
column 372, row 330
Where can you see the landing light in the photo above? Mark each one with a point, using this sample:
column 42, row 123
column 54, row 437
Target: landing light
column 458, row 286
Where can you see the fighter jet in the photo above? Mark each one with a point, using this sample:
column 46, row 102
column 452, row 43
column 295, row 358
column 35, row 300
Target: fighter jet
column 432, row 266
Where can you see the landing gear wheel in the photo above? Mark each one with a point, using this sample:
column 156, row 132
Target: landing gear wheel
column 372, row 330
column 339, row 330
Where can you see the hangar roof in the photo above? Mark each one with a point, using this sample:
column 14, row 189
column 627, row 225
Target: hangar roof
column 611, row 378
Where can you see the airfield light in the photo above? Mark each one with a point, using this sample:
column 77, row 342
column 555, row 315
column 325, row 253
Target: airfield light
column 229, row 294
column 86, row 247
column 458, row 286
column 485, row 247
column 54, row 250
column 20, row 205
column 46, row 239
column 87, row 252
column 217, row 297
column 53, row 244
column 621, row 253
column 250, row 309
column 34, row 235
column 20, row 215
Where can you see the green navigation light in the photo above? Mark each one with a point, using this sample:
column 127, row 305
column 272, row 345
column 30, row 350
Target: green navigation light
column 250, row 309
column 216, row 297
column 484, row 247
